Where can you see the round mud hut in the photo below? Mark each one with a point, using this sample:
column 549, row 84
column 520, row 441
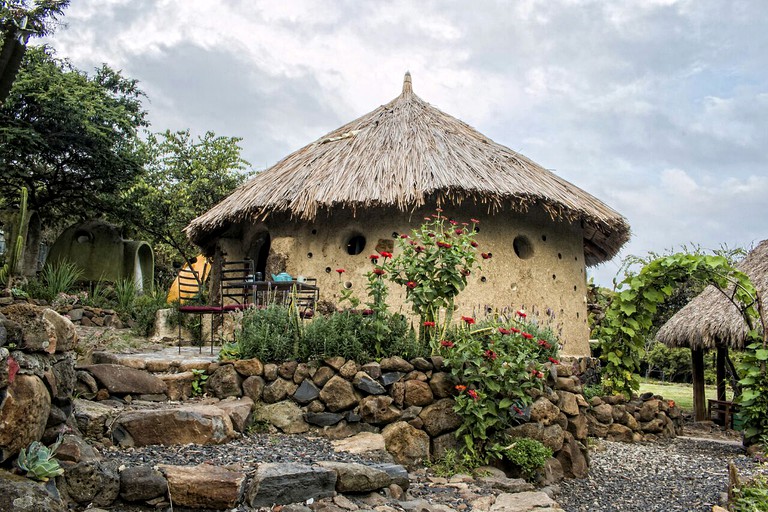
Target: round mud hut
column 711, row 321
column 352, row 192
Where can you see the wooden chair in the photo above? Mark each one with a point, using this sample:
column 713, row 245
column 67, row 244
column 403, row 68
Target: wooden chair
column 306, row 298
column 191, row 300
column 236, row 290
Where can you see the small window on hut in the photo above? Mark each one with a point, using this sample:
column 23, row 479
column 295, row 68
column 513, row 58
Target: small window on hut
column 523, row 247
column 355, row 245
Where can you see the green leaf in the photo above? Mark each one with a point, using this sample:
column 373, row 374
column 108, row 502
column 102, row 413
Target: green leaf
column 762, row 354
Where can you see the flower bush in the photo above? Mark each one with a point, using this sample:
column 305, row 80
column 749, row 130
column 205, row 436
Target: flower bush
column 433, row 264
column 497, row 364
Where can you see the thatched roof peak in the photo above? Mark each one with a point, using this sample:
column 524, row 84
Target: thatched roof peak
column 711, row 320
column 407, row 85
column 404, row 155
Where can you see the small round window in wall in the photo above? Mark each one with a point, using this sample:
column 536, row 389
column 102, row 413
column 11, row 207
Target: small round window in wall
column 355, row 245
column 523, row 247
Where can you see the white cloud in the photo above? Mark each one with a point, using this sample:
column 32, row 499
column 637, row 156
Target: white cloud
column 658, row 107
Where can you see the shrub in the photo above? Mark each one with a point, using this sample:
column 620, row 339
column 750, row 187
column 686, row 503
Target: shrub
column 527, row 455
column 496, row 364
column 751, row 496
column 55, row 279
column 144, row 311
column 271, row 334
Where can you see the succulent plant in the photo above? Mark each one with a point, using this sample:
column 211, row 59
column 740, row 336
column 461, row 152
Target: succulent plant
column 38, row 462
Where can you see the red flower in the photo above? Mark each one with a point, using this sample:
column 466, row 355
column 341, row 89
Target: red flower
column 385, row 254
column 419, row 248
column 504, row 331
column 440, row 210
column 521, row 313
column 410, row 284
column 367, row 312
column 459, row 231
column 490, row 354
column 514, row 330
column 379, row 271
column 460, row 387
column 431, row 235
column 475, row 221
column 527, row 336
column 472, row 393
column 465, row 272
column 374, row 257
column 444, row 245
column 544, row 344
column 403, row 236
column 340, row 270
column 473, row 243
column 427, row 218
column 553, row 360
column 453, row 223
column 448, row 344
column 485, row 255
column 537, row 374
column 468, row 319
column 429, row 324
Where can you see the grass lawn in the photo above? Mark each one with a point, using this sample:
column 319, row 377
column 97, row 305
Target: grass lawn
column 682, row 394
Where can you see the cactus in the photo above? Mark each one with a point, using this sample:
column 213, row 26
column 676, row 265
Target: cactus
column 14, row 255
column 38, row 462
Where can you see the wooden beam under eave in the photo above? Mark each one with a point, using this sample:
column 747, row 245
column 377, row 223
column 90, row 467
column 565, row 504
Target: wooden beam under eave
column 722, row 356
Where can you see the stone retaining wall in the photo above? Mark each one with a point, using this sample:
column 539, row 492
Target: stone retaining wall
column 37, row 376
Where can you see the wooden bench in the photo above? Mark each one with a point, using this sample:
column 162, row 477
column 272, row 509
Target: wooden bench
column 721, row 412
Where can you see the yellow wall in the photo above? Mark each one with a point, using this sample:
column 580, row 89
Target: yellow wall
column 552, row 279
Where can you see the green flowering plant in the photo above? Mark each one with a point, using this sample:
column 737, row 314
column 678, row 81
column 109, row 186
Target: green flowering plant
column 497, row 365
column 433, row 264
column 37, row 461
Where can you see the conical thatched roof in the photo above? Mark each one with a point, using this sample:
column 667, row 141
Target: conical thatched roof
column 406, row 154
column 710, row 319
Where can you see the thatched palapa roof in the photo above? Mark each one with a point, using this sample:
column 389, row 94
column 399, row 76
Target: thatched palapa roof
column 406, row 154
column 711, row 320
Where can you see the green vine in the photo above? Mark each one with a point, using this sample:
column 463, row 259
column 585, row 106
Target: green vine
column 630, row 315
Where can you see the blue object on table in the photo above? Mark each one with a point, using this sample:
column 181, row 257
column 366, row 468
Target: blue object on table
column 282, row 276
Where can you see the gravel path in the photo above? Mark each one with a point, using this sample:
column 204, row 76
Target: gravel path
column 680, row 475
column 684, row 474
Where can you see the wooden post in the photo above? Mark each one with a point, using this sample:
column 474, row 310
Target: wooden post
column 699, row 399
column 722, row 355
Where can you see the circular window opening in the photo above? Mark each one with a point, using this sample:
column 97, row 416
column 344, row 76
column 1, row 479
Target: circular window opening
column 83, row 237
column 522, row 246
column 355, row 245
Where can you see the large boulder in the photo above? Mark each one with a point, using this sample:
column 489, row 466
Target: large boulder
column 543, row 411
column 281, row 484
column 366, row 384
column 407, row 445
column 197, row 424
column 286, row 415
column 122, row 380
column 66, row 334
column 378, row 410
column 417, row 393
column 20, row 494
column 357, row 477
column 442, row 384
column 23, row 414
column 572, row 458
column 439, row 417
column 225, row 382
column 338, row 394
column 141, row 483
column 204, row 486
column 277, row 390
column 36, row 333
column 239, row 411
column 94, row 483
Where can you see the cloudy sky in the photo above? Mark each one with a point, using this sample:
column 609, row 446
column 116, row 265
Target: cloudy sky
column 657, row 107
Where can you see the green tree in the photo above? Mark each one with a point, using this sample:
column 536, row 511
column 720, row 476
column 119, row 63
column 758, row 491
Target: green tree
column 184, row 178
column 19, row 22
column 71, row 139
